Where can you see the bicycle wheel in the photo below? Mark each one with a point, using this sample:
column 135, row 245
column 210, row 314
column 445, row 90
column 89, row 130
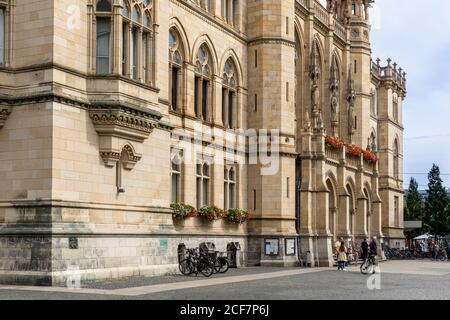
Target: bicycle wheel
column 224, row 266
column 217, row 266
column 205, row 268
column 365, row 267
column 186, row 267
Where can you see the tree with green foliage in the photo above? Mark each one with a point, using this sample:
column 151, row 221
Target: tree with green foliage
column 414, row 209
column 437, row 203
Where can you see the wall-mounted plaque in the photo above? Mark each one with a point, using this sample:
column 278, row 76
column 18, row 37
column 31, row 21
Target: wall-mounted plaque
column 290, row 247
column 73, row 243
column 271, row 247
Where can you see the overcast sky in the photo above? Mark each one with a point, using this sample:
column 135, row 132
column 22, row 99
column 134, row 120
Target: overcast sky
column 416, row 35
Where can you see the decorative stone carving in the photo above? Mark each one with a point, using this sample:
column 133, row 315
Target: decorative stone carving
column 334, row 87
column 351, row 97
column 315, row 90
column 126, row 123
column 4, row 114
column 117, row 123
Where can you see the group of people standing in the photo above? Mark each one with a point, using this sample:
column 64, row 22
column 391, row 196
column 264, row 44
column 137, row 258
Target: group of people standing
column 368, row 250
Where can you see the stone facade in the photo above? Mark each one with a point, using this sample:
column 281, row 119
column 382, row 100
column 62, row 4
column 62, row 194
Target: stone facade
column 92, row 94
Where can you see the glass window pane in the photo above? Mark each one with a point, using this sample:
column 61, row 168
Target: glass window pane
column 136, row 16
column 104, row 6
column 175, row 179
column 205, row 192
column 103, row 45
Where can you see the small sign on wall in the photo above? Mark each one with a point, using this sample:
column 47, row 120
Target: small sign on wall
column 163, row 244
column 272, row 247
column 73, row 243
column 290, row 246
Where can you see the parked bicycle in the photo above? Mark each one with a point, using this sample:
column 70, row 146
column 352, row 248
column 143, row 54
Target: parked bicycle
column 196, row 262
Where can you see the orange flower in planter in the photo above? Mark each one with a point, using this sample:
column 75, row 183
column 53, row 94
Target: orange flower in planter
column 335, row 143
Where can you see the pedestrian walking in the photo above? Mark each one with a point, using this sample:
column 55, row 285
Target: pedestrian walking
column 364, row 249
column 373, row 249
column 342, row 257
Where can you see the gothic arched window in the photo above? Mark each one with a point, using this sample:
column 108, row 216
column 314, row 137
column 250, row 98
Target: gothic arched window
column 203, row 87
column 395, row 109
column 176, row 57
column 229, row 96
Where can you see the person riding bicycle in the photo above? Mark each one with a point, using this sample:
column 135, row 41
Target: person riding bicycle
column 364, row 249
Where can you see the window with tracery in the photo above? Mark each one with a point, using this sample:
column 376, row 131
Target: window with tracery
column 203, row 87
column 137, row 38
column 229, row 100
column 176, row 58
column 127, row 50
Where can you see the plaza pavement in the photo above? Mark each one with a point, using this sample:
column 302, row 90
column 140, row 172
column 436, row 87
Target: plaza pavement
column 395, row 280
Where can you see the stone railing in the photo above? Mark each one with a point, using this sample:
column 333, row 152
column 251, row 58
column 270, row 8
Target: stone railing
column 353, row 161
column 340, row 30
column 332, row 154
column 389, row 73
column 321, row 13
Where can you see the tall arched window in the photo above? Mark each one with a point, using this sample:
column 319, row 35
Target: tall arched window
column 396, row 160
column 203, row 87
column 229, row 96
column 203, row 183
column 137, row 37
column 229, row 188
column 104, row 15
column 176, row 57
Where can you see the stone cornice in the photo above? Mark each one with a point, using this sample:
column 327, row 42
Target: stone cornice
column 271, row 40
column 151, row 115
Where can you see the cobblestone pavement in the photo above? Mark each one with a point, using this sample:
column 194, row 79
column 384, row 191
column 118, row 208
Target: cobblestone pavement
column 396, row 280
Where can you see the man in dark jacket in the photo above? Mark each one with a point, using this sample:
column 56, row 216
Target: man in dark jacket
column 364, row 249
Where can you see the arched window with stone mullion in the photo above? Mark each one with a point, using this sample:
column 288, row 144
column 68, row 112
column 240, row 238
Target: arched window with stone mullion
column 203, row 86
column 176, row 60
column 229, row 96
